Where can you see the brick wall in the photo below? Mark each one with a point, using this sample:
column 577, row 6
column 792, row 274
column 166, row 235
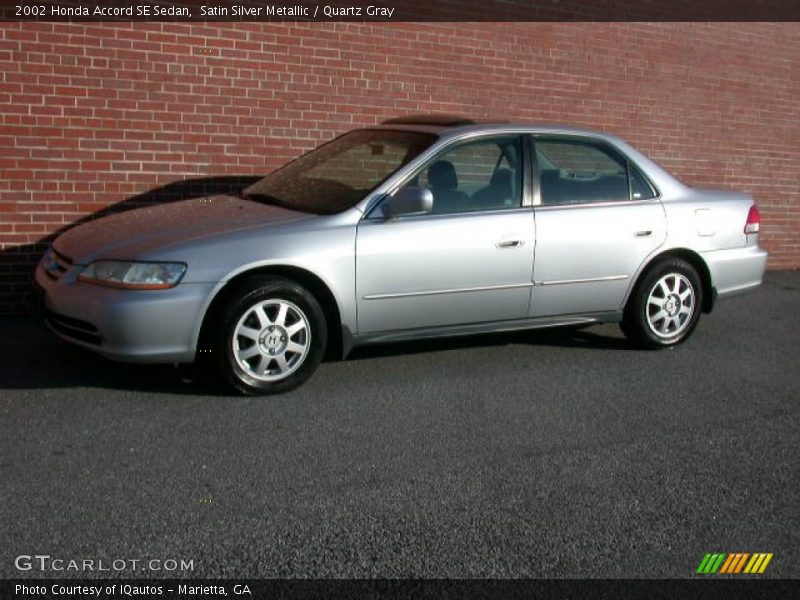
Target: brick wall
column 94, row 116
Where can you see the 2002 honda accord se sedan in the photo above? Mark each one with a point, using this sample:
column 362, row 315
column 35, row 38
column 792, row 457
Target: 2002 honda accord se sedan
column 418, row 227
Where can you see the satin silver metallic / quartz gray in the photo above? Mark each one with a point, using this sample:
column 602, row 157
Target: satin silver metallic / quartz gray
column 418, row 227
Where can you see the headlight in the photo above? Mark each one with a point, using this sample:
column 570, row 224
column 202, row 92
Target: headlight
column 133, row 275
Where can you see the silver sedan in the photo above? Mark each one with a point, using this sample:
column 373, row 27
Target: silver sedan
column 418, row 227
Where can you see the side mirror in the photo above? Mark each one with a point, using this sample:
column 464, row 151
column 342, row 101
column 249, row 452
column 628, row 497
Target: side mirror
column 410, row 201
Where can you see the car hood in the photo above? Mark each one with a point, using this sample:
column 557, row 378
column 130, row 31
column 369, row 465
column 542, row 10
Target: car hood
column 136, row 232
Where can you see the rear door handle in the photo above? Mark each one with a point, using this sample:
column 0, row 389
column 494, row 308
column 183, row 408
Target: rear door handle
column 644, row 233
column 509, row 243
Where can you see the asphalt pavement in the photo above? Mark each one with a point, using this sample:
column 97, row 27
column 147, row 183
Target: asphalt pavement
column 537, row 454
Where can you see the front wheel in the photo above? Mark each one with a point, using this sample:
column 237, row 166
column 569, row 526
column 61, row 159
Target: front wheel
column 272, row 337
column 665, row 306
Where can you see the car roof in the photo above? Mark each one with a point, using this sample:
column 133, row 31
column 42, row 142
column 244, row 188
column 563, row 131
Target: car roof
column 445, row 125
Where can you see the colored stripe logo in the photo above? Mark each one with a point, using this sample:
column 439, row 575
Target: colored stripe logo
column 734, row 563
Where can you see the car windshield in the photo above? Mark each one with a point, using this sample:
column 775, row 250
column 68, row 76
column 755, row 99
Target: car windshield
column 337, row 175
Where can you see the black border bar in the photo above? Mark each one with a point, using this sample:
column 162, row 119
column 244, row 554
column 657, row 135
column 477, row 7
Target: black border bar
column 400, row 10
column 417, row 589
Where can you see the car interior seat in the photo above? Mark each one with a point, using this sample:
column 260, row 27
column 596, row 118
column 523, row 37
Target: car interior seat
column 443, row 182
column 499, row 192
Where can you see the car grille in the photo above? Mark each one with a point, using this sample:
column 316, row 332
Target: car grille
column 79, row 330
column 57, row 264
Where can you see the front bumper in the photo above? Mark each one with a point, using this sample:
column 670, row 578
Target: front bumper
column 736, row 270
column 127, row 325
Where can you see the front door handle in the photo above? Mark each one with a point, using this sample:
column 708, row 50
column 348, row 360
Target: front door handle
column 509, row 243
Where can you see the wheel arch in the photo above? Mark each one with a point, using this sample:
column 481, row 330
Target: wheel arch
column 312, row 282
column 694, row 259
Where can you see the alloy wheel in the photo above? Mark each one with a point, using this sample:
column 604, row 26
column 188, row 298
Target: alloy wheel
column 271, row 340
column 670, row 305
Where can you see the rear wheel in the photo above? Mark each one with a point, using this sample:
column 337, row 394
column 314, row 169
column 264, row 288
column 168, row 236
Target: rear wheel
column 665, row 306
column 271, row 338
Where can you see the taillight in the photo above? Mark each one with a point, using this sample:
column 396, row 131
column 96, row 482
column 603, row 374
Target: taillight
column 753, row 220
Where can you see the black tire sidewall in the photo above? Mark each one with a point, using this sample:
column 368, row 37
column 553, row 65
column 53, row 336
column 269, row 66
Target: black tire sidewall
column 635, row 322
column 258, row 290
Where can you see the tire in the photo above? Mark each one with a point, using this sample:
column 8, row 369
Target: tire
column 271, row 337
column 665, row 306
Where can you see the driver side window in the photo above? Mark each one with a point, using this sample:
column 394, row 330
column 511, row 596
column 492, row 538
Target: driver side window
column 475, row 176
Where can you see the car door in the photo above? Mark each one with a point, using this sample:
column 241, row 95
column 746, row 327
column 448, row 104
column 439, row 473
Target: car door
column 469, row 261
column 597, row 219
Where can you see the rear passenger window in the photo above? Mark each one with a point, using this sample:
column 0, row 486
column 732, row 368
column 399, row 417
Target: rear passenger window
column 580, row 172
